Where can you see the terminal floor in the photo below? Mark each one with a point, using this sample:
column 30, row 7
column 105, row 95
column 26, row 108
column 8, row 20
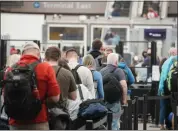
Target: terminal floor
column 140, row 127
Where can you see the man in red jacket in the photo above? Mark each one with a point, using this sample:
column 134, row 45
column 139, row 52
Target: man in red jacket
column 47, row 86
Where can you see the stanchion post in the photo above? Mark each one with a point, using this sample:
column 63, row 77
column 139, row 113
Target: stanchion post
column 89, row 125
column 174, row 101
column 3, row 52
column 109, row 120
column 154, row 83
column 145, row 112
column 124, row 118
column 129, row 114
column 157, row 112
column 136, row 114
column 122, row 122
column 175, row 116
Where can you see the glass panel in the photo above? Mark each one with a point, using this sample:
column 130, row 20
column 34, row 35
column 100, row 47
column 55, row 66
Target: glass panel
column 121, row 8
column 151, row 9
column 66, row 33
column 111, row 36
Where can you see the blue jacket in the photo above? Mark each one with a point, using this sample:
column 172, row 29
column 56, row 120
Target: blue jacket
column 98, row 77
column 130, row 76
column 165, row 70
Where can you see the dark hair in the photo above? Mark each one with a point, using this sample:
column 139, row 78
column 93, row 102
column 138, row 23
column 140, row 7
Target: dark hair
column 97, row 44
column 63, row 63
column 18, row 51
column 161, row 64
column 53, row 53
column 71, row 50
column 143, row 54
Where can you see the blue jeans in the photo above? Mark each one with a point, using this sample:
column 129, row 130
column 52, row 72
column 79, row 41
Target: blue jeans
column 165, row 111
column 115, row 108
column 162, row 111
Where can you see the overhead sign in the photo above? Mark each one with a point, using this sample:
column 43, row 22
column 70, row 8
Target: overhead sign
column 58, row 7
column 155, row 33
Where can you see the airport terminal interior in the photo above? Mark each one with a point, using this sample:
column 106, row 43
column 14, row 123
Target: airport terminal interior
column 89, row 65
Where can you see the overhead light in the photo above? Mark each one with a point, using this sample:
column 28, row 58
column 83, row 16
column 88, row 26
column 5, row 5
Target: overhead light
column 54, row 16
column 82, row 18
column 61, row 35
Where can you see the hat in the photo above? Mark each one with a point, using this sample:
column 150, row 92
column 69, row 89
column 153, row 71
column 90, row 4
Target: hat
column 30, row 45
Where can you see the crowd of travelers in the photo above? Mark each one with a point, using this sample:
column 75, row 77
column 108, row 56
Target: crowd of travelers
column 55, row 92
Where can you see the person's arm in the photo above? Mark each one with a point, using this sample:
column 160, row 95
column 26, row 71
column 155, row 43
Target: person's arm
column 124, row 91
column 130, row 76
column 72, row 89
column 100, row 86
column 88, row 82
column 53, row 89
column 123, row 83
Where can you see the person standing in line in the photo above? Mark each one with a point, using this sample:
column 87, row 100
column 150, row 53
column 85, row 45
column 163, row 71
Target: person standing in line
column 47, row 86
column 164, row 73
column 89, row 62
column 115, row 105
column 96, row 52
column 67, row 84
column 84, row 73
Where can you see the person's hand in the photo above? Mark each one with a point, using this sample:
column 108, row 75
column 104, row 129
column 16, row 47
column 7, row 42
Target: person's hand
column 124, row 102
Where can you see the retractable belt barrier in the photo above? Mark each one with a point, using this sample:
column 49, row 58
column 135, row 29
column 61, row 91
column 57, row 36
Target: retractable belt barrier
column 91, row 125
column 126, row 118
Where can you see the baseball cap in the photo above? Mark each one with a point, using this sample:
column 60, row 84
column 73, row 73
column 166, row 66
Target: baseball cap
column 30, row 45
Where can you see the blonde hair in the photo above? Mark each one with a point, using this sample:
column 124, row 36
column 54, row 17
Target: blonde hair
column 88, row 60
column 13, row 59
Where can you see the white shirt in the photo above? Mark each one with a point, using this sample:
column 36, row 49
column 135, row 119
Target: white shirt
column 73, row 105
column 85, row 76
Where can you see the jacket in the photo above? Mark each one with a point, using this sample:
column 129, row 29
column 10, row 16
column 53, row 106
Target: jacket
column 165, row 70
column 130, row 76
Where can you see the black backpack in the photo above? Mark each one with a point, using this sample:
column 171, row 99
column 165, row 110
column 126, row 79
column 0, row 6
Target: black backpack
column 171, row 83
column 21, row 96
column 112, row 87
column 76, row 75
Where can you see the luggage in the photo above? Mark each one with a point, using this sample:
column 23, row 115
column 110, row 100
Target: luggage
column 91, row 109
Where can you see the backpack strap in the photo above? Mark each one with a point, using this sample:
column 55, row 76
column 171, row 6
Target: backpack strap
column 76, row 68
column 113, row 70
column 175, row 63
column 92, row 71
column 80, row 92
column 77, row 78
column 58, row 71
column 98, row 60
